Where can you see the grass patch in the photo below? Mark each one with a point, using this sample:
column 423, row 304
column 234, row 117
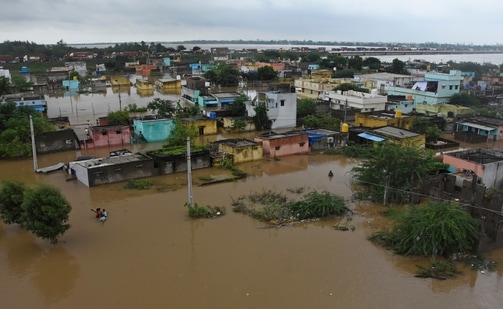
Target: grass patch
column 139, row 184
column 197, row 212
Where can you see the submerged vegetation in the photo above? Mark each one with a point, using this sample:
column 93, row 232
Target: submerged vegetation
column 434, row 229
column 197, row 212
column 276, row 208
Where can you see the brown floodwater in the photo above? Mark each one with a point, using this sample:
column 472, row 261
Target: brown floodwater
column 150, row 254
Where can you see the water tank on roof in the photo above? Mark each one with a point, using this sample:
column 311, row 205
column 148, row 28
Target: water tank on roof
column 409, row 97
column 213, row 115
column 398, row 113
column 345, row 128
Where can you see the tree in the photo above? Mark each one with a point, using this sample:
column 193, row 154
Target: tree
column 261, row 120
column 118, row 118
column 373, row 63
column 20, row 84
column 355, row 63
column 437, row 228
column 180, row 48
column 163, row 108
column 179, row 133
column 45, row 212
column 238, row 106
column 15, row 132
column 397, row 67
column 267, row 73
column 5, row 86
column 323, row 121
column 305, row 107
column 223, row 75
column 393, row 167
column 239, row 124
column 196, row 48
column 11, row 199
column 464, row 99
column 349, row 86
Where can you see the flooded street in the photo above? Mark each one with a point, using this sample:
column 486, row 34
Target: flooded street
column 150, row 254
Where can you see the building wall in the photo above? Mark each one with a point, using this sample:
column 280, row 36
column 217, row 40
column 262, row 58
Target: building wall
column 284, row 146
column 228, row 123
column 356, row 100
column 121, row 172
column 79, row 171
column 208, row 126
column 106, row 136
column 60, row 140
column 153, row 130
column 374, row 121
column 244, row 153
column 282, row 108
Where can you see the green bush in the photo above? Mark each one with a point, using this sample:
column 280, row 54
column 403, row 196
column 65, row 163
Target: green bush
column 138, row 184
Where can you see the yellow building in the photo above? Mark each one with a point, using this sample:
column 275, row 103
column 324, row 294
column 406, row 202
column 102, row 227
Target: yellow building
column 228, row 123
column 168, row 85
column 382, row 119
column 443, row 110
column 242, row 150
column 404, row 137
column 205, row 126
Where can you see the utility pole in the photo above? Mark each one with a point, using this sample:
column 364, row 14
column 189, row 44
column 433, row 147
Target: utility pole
column 345, row 110
column 33, row 146
column 189, row 175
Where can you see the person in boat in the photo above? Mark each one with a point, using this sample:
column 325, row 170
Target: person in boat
column 330, row 174
column 97, row 211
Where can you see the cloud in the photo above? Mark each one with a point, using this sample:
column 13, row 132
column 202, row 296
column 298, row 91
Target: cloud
column 77, row 21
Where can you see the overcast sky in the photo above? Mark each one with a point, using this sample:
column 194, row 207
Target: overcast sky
column 118, row 21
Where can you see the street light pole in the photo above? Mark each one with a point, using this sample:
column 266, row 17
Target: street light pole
column 189, row 174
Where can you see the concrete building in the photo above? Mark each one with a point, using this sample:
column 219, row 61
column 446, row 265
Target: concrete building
column 486, row 164
column 401, row 136
column 490, row 128
column 357, row 101
column 284, row 144
column 382, row 81
column 382, row 119
column 112, row 169
column 281, row 103
column 241, row 150
column 437, row 88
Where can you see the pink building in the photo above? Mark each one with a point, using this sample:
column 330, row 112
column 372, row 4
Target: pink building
column 285, row 144
column 107, row 136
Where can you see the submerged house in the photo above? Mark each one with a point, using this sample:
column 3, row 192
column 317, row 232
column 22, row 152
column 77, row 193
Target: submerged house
column 152, row 130
column 112, row 169
column 285, row 144
column 107, row 136
column 321, row 139
column 168, row 163
column 54, row 141
column 241, row 150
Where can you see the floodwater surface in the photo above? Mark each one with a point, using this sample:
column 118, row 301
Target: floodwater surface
column 150, row 254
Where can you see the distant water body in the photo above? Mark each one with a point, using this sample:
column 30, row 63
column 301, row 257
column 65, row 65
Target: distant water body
column 477, row 58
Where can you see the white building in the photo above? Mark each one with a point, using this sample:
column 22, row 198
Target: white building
column 5, row 73
column 359, row 101
column 281, row 102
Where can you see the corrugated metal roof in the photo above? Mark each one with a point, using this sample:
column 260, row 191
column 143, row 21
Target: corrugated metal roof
column 478, row 126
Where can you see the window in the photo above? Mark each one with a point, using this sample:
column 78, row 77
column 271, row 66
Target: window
column 302, row 144
column 277, row 147
column 118, row 132
column 104, row 132
column 450, row 87
column 282, row 102
column 139, row 166
column 456, row 87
